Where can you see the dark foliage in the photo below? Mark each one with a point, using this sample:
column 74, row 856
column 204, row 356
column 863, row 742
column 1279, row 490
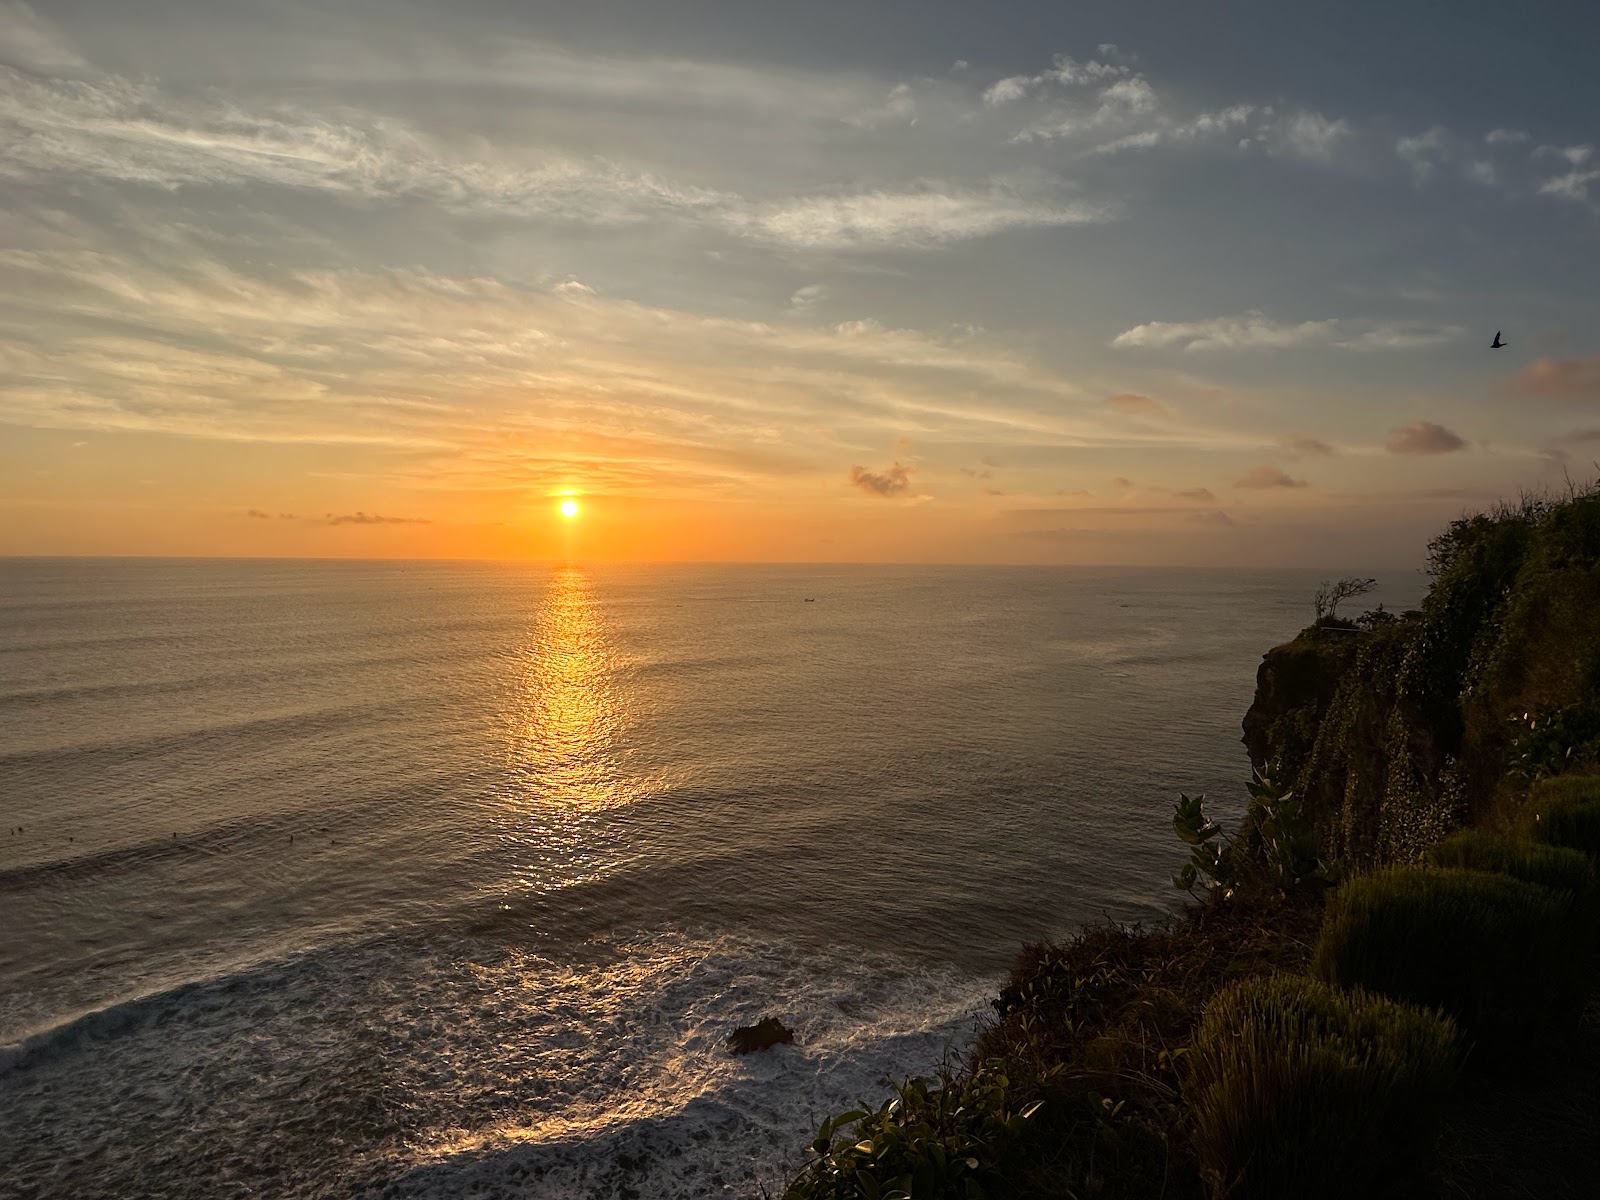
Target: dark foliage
column 1304, row 1091
column 1406, row 729
column 1494, row 952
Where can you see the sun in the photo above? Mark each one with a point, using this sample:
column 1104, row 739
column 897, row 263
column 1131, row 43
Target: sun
column 569, row 509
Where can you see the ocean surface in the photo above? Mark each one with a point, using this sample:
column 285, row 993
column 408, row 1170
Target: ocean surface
column 431, row 880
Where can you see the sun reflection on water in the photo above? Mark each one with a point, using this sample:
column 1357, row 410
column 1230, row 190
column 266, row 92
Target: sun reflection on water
column 568, row 722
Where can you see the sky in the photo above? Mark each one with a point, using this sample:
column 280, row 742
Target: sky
column 849, row 280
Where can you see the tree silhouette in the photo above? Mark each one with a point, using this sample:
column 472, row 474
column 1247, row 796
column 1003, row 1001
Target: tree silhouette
column 1332, row 593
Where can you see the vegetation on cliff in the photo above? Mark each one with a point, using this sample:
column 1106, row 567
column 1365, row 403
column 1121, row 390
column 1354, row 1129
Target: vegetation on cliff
column 1401, row 728
column 1298, row 1029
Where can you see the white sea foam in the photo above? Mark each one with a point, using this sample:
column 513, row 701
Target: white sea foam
column 394, row 1069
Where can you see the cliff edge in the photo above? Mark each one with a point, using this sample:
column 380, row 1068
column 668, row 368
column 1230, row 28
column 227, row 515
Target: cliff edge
column 1398, row 729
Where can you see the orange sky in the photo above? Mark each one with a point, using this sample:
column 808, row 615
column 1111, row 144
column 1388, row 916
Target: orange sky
column 273, row 291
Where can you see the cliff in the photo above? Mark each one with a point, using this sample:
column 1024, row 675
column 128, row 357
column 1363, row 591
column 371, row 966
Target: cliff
column 1403, row 728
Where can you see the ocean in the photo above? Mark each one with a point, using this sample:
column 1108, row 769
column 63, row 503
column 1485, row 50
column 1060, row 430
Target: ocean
column 350, row 879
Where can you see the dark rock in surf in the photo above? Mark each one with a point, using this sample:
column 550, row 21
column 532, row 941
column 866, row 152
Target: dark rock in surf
column 761, row 1036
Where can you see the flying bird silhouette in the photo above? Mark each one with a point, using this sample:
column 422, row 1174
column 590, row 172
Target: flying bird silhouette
column 1497, row 343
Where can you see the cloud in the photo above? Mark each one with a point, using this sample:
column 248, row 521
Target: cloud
column 808, row 297
column 1256, row 331
column 1574, row 185
column 1565, row 378
column 1505, row 137
column 894, row 481
column 1251, row 331
column 1267, row 477
column 1008, row 90
column 1308, row 135
column 258, row 514
column 1423, row 437
column 133, row 132
column 1108, row 108
column 1065, row 72
column 1299, row 445
column 32, row 44
column 1199, row 494
column 931, row 216
column 1134, row 404
column 1216, row 517
column 1202, row 127
column 1424, row 151
column 361, row 518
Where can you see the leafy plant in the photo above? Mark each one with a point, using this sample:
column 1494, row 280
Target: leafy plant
column 1494, row 952
column 942, row 1142
column 1542, row 746
column 1300, row 1090
column 1204, row 836
column 1288, row 842
column 1281, row 838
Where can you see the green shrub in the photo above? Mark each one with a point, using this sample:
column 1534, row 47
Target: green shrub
column 1496, row 953
column 1302, row 1091
column 1565, row 811
column 925, row 1142
column 1553, row 867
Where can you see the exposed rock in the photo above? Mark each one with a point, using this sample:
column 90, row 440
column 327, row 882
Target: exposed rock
column 764, row 1034
column 1294, row 686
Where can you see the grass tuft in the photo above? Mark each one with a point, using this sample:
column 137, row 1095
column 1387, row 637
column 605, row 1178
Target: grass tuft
column 1497, row 954
column 1565, row 811
column 1301, row 1090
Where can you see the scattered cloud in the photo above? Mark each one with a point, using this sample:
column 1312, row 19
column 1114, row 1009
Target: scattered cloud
column 1505, row 137
column 1199, row 495
column 808, row 297
column 1135, row 404
column 1267, row 477
column 930, row 216
column 362, row 518
column 1216, row 517
column 1256, row 331
column 1300, row 445
column 1423, row 437
column 1564, row 378
column 1308, row 135
column 1423, row 152
column 1574, row 185
column 894, row 481
column 258, row 514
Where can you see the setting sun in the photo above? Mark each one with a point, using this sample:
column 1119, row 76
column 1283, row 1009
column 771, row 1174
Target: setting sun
column 569, row 509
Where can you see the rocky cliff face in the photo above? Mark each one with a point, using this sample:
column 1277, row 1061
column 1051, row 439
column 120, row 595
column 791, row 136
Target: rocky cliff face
column 1399, row 730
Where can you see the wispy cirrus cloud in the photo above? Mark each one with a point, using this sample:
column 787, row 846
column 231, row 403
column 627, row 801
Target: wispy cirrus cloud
column 30, row 42
column 1256, row 331
column 931, row 215
column 132, row 132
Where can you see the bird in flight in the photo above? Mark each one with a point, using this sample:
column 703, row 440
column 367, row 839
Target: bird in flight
column 1497, row 343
